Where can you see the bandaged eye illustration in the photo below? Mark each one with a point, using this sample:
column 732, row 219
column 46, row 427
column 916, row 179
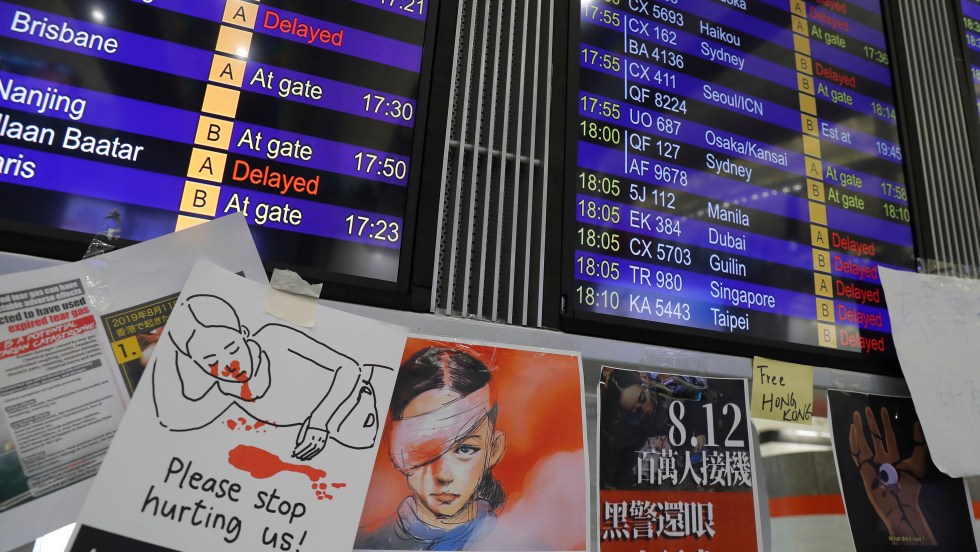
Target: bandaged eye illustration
column 462, row 472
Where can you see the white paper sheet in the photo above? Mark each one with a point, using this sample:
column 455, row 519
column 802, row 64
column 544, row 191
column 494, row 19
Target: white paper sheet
column 72, row 338
column 252, row 434
column 936, row 325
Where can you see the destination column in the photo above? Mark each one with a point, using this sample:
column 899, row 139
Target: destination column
column 819, row 237
column 215, row 127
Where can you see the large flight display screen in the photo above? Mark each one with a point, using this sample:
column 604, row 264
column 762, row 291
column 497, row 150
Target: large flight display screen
column 970, row 10
column 302, row 115
column 735, row 167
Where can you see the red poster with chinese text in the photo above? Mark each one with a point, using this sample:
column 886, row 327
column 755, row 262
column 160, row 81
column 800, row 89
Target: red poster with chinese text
column 676, row 464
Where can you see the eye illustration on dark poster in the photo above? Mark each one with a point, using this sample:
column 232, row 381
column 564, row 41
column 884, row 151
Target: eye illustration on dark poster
column 895, row 496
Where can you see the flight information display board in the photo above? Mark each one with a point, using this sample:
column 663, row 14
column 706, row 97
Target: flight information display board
column 735, row 167
column 970, row 10
column 302, row 115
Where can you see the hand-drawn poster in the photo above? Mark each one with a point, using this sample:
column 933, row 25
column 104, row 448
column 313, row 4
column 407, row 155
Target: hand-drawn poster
column 676, row 464
column 247, row 433
column 895, row 497
column 484, row 450
column 61, row 390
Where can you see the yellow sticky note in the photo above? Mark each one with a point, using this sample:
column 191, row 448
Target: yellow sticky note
column 782, row 391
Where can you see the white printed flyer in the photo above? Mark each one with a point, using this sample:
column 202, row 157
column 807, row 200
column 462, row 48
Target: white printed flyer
column 73, row 339
column 249, row 432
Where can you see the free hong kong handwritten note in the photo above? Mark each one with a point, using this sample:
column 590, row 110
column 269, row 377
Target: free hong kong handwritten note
column 782, row 391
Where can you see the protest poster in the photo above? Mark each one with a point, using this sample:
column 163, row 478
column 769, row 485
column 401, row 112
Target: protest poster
column 676, row 464
column 894, row 495
column 64, row 368
column 484, row 450
column 248, row 432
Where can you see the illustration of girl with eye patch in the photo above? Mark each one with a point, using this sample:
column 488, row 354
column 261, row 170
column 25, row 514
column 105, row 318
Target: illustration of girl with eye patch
column 278, row 375
column 442, row 437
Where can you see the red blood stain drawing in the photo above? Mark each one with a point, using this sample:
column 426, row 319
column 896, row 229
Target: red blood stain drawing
column 262, row 464
column 243, row 424
column 234, row 370
column 320, row 493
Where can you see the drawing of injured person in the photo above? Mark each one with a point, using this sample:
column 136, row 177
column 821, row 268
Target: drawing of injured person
column 277, row 374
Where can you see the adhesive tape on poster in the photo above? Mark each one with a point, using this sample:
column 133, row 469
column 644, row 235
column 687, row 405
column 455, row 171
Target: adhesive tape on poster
column 292, row 299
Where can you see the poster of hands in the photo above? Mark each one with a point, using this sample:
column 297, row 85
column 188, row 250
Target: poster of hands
column 895, row 497
column 247, row 433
